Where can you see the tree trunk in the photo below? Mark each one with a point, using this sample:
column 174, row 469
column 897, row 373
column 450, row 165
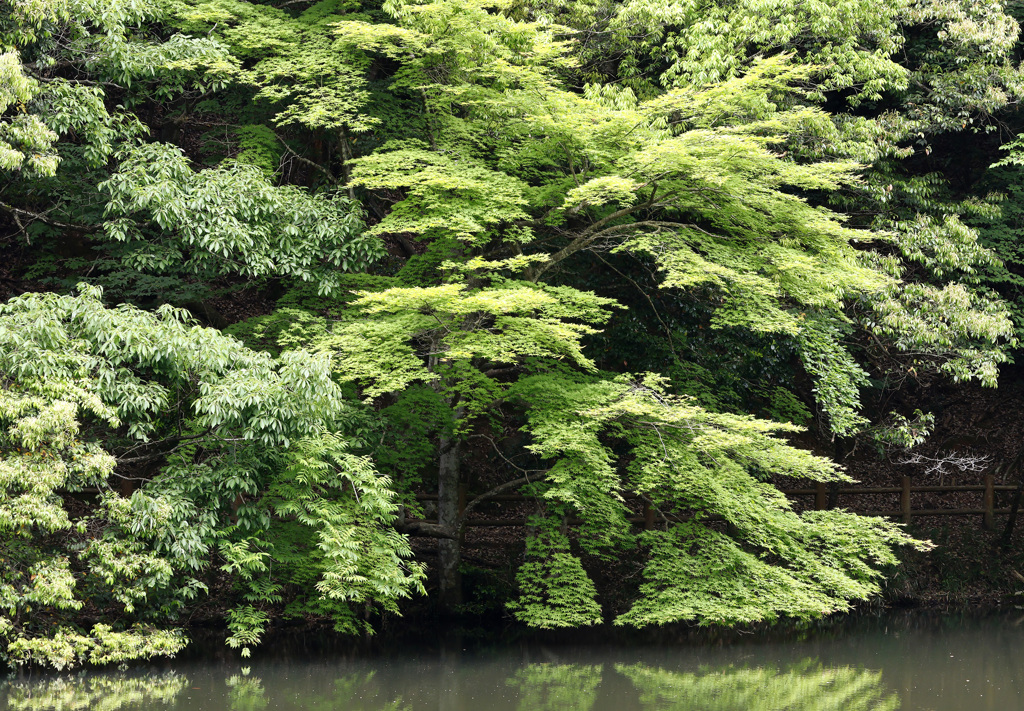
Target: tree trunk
column 449, row 549
column 1011, row 520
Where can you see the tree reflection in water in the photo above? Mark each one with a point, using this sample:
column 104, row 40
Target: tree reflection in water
column 103, row 692
column 565, row 687
column 805, row 686
column 246, row 693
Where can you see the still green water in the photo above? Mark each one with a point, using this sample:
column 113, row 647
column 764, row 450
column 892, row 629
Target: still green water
column 908, row 662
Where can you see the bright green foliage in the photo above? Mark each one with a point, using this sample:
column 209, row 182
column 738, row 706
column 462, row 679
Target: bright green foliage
column 296, row 66
column 943, row 246
column 25, row 142
column 100, row 39
column 554, row 589
column 66, row 648
column 697, row 573
column 239, row 434
column 936, row 66
column 967, row 71
column 850, row 43
column 228, row 220
column 839, row 377
column 502, row 324
column 259, row 146
column 929, row 321
column 362, row 559
column 689, row 177
column 948, row 61
column 558, row 196
column 170, row 223
column 686, row 461
column 457, row 196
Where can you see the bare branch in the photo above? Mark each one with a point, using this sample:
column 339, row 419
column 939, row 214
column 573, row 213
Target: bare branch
column 303, row 159
column 597, row 231
column 498, row 372
column 946, row 462
column 581, row 241
column 41, row 217
column 643, row 292
column 501, row 488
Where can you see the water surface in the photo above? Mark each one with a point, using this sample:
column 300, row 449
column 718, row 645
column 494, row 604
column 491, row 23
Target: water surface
column 910, row 662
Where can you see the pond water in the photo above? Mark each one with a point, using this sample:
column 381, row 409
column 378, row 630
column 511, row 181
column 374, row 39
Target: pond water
column 909, row 662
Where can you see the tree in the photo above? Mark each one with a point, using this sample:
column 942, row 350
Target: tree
column 238, row 458
column 687, row 178
column 74, row 162
column 901, row 80
column 59, row 60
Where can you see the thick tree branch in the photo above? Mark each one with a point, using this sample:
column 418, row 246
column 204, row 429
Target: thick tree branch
column 85, row 82
column 592, row 235
column 306, row 161
column 424, row 528
column 584, row 239
column 473, row 503
column 175, row 441
column 498, row 372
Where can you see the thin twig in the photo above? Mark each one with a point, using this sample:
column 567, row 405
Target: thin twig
column 668, row 332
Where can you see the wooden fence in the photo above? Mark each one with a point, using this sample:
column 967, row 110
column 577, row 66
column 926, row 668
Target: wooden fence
column 823, row 494
column 824, row 497
column 906, row 511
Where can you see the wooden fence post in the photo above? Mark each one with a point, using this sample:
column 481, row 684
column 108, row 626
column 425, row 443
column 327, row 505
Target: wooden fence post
column 820, row 496
column 905, row 500
column 990, row 502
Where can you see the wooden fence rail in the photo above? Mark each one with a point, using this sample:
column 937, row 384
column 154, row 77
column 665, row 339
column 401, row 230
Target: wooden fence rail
column 906, row 511
column 822, row 493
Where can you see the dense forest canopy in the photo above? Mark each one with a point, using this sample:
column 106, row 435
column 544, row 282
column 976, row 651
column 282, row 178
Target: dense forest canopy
column 621, row 250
